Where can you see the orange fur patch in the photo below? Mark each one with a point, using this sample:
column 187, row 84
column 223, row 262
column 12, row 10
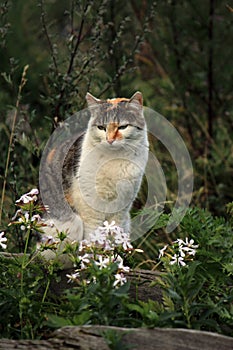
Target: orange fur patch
column 69, row 199
column 113, row 133
column 51, row 155
column 115, row 101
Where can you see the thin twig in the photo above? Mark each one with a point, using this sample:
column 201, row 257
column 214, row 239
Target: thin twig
column 70, row 67
column 47, row 35
column 21, row 85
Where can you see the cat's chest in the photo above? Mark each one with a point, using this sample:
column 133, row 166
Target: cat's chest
column 110, row 165
column 109, row 177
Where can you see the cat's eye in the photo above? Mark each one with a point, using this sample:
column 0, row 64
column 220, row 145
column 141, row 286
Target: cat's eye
column 122, row 127
column 100, row 127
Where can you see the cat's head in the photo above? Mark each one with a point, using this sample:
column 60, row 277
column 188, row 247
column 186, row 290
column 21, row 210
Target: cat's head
column 115, row 121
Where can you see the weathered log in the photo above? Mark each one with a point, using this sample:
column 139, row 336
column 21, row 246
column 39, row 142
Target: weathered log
column 95, row 338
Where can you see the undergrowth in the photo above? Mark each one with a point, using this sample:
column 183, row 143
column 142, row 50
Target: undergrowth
column 196, row 275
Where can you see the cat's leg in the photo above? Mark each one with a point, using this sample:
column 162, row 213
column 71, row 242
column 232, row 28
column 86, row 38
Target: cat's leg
column 72, row 227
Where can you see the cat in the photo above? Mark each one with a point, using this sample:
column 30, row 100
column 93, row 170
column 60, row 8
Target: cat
column 103, row 170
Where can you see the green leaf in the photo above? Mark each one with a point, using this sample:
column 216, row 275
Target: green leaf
column 55, row 321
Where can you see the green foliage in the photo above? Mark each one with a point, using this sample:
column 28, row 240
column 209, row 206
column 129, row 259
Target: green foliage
column 186, row 74
column 114, row 340
column 198, row 295
column 23, row 289
column 196, row 290
column 94, row 303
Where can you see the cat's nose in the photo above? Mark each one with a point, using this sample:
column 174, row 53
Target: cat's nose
column 110, row 141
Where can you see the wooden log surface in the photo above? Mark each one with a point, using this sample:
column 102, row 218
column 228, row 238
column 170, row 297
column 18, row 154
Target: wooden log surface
column 94, row 338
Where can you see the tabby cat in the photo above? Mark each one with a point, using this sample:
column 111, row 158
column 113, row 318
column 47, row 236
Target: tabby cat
column 102, row 176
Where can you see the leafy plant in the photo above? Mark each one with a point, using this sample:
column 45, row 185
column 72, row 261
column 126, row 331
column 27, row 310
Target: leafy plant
column 196, row 278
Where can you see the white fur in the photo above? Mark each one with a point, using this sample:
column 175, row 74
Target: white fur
column 119, row 168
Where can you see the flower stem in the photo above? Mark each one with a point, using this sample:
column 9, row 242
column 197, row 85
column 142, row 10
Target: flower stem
column 21, row 85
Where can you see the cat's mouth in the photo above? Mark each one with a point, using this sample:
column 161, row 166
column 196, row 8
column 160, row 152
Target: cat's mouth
column 113, row 143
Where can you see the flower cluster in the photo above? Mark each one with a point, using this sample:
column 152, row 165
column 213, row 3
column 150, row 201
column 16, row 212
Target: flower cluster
column 180, row 252
column 103, row 253
column 28, row 217
column 111, row 236
column 102, row 250
column 25, row 220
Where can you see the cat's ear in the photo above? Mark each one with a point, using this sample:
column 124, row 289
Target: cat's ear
column 137, row 98
column 92, row 100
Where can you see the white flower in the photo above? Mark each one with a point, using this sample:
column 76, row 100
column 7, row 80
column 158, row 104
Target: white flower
column 48, row 240
column 190, row 243
column 189, row 251
column 108, row 228
column 83, row 244
column 161, row 251
column 98, row 237
column 33, row 192
column 108, row 245
column 181, row 251
column 29, row 197
column 179, row 260
column 26, row 215
column 123, row 238
column 119, row 279
column 179, row 241
column 36, row 217
column 119, row 260
column 3, row 239
column 85, row 259
column 19, row 211
column 186, row 247
column 73, row 277
column 102, row 263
